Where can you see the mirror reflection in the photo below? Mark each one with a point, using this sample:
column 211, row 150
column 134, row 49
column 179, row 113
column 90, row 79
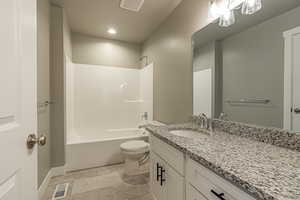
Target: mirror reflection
column 249, row 71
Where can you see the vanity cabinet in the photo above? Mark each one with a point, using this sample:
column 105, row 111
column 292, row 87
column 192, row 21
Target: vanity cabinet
column 166, row 182
column 193, row 194
column 211, row 185
column 156, row 182
column 169, row 154
column 175, row 177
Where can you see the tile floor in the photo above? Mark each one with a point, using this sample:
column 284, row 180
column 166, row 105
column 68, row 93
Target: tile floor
column 104, row 183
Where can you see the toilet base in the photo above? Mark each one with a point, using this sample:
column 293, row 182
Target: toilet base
column 132, row 167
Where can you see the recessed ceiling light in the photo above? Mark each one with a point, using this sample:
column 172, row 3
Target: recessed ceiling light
column 112, row 31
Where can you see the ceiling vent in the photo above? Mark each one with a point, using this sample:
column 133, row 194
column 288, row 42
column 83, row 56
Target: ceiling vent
column 132, row 5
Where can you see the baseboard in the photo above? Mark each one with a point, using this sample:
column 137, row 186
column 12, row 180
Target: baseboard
column 45, row 183
column 56, row 171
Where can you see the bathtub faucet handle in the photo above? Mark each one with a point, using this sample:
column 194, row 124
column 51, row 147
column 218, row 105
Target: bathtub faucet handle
column 145, row 116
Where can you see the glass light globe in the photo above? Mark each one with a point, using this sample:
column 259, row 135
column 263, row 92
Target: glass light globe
column 250, row 7
column 227, row 18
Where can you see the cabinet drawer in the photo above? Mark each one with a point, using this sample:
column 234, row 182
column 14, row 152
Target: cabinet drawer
column 211, row 185
column 171, row 155
column 193, row 194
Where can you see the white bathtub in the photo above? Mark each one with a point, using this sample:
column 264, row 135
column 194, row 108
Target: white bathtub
column 94, row 151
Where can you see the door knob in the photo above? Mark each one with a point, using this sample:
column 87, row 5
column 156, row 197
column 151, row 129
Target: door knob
column 32, row 140
column 297, row 110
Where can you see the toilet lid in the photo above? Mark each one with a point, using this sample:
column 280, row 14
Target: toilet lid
column 135, row 145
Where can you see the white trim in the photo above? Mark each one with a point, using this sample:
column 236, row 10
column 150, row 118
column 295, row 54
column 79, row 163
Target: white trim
column 45, row 183
column 288, row 77
column 291, row 32
column 56, row 171
column 287, row 105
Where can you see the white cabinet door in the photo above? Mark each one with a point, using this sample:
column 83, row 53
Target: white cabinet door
column 174, row 184
column 166, row 183
column 18, row 165
column 156, row 188
column 193, row 194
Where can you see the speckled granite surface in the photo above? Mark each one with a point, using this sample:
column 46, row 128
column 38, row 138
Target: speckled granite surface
column 265, row 171
column 268, row 135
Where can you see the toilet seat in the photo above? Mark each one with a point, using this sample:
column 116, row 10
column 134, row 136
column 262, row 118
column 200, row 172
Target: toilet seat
column 135, row 146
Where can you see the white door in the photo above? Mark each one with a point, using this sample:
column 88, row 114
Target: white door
column 296, row 83
column 174, row 184
column 202, row 92
column 18, row 165
column 292, row 80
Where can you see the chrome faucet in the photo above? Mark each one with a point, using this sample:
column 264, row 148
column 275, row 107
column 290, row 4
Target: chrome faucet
column 206, row 123
column 223, row 116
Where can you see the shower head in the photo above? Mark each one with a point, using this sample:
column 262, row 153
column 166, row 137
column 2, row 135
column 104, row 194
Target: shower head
column 144, row 57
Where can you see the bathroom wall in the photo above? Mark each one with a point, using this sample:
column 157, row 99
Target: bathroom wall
column 43, row 86
column 204, row 57
column 57, row 63
column 101, row 51
column 169, row 47
column 67, row 36
column 253, row 58
column 106, row 98
column 60, row 52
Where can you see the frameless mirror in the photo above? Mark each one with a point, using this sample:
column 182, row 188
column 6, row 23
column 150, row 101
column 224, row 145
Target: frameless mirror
column 243, row 70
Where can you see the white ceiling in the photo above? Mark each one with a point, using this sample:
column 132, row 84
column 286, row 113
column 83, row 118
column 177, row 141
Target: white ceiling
column 94, row 17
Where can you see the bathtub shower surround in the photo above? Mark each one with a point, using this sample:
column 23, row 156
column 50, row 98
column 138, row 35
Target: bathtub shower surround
column 105, row 107
column 94, row 152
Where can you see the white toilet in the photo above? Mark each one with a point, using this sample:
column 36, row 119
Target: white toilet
column 136, row 153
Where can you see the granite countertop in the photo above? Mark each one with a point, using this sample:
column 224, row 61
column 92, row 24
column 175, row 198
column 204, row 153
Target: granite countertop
column 265, row 171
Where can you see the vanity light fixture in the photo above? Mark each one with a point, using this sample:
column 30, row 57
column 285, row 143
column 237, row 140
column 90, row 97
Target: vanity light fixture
column 214, row 11
column 227, row 17
column 250, row 7
column 225, row 10
column 236, row 4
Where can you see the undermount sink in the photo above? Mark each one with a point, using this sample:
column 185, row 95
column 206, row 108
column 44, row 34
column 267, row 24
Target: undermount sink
column 186, row 133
